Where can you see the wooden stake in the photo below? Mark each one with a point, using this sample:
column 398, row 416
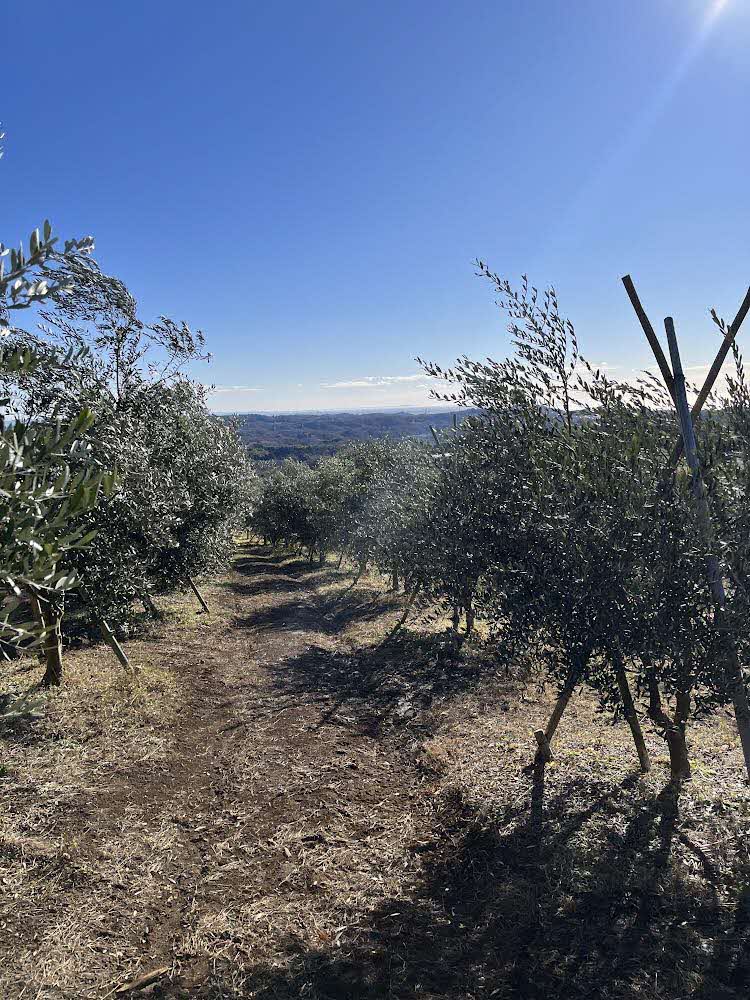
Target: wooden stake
column 117, row 649
column 715, row 368
column 544, row 753
column 106, row 631
column 402, row 620
column 715, row 582
column 200, row 599
column 661, row 361
column 562, row 701
column 143, row 981
column 651, row 337
column 544, row 737
column 630, row 713
column 148, row 604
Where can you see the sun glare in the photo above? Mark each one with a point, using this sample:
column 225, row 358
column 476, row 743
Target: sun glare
column 715, row 9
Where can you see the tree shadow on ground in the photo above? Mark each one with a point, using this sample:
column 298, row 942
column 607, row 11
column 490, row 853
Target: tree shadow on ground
column 595, row 902
column 397, row 682
column 328, row 613
column 268, row 570
column 322, row 614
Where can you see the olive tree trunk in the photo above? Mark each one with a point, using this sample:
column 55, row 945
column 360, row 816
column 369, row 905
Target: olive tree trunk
column 49, row 617
column 673, row 730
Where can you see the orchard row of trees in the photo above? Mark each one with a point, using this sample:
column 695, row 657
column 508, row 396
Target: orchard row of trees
column 116, row 481
column 558, row 524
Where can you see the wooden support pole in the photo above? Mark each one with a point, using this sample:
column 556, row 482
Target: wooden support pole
column 562, row 702
column 715, row 581
column 148, row 604
column 631, row 716
column 200, row 599
column 651, row 337
column 544, row 753
column 661, row 361
column 109, row 637
column 107, row 633
column 726, row 345
column 402, row 620
column 544, row 736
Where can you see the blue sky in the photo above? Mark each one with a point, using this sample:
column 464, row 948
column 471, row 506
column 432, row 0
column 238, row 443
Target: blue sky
column 310, row 182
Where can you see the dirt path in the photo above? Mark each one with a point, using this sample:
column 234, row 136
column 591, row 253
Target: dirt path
column 274, row 815
column 295, row 815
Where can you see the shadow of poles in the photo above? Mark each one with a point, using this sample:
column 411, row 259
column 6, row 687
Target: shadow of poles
column 593, row 905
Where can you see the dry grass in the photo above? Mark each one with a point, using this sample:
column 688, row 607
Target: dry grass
column 278, row 806
column 58, row 876
column 616, row 882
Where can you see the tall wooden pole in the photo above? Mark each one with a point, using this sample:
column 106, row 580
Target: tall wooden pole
column 544, row 736
column 715, row 582
column 630, row 713
column 651, row 337
column 661, row 361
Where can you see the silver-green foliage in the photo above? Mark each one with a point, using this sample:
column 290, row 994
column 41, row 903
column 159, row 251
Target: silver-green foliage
column 185, row 481
column 47, row 480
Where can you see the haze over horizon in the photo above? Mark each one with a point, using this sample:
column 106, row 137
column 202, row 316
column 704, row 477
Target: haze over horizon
column 310, row 184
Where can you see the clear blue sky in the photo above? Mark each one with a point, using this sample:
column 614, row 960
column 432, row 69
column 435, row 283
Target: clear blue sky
column 310, row 182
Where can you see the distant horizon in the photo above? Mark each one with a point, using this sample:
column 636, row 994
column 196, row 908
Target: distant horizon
column 438, row 408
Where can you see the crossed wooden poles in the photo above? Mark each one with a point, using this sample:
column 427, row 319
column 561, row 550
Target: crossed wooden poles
column 674, row 380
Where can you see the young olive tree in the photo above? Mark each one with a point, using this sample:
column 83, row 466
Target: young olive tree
column 43, row 521
column 600, row 568
column 47, row 479
column 390, row 531
column 184, row 475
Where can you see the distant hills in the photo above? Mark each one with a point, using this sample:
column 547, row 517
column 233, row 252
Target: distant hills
column 310, row 436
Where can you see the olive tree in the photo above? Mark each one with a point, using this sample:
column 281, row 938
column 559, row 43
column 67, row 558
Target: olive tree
column 184, row 474
column 600, row 572
column 48, row 483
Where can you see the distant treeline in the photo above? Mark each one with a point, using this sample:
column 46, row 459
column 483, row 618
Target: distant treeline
column 308, row 437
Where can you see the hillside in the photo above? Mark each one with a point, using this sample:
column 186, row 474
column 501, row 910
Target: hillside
column 309, row 436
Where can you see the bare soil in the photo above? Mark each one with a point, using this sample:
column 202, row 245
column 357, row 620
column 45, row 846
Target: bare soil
column 280, row 805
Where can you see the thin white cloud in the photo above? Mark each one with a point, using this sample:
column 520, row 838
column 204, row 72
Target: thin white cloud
column 374, row 381
column 216, row 389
